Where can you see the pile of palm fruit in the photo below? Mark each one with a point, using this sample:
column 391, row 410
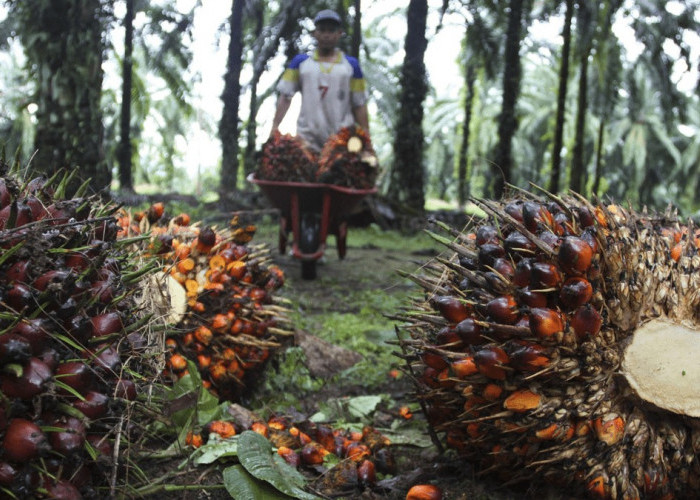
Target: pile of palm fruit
column 558, row 342
column 230, row 322
column 286, row 158
column 347, row 159
column 73, row 336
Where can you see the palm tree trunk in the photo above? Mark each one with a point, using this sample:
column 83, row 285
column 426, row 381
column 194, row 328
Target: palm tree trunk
column 462, row 184
column 407, row 172
column 507, row 123
column 228, row 126
column 124, row 152
column 251, row 135
column 356, row 30
column 561, row 99
column 578, row 180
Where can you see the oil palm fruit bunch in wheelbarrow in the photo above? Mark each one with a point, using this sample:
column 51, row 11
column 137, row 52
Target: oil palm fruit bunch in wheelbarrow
column 229, row 321
column 348, row 159
column 286, row 158
column 71, row 337
column 558, row 342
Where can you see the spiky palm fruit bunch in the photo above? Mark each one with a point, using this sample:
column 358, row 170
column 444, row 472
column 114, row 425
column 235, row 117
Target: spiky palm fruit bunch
column 231, row 321
column 69, row 323
column 348, row 159
column 286, row 158
column 560, row 342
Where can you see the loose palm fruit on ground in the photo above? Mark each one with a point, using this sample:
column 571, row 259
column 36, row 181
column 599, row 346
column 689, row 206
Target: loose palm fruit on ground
column 580, row 367
column 69, row 324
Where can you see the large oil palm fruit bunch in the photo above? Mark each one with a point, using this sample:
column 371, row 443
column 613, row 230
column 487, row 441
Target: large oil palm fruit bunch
column 230, row 321
column 559, row 343
column 286, row 158
column 69, row 320
column 348, row 159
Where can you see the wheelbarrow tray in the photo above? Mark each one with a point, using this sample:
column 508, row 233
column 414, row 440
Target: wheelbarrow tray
column 329, row 201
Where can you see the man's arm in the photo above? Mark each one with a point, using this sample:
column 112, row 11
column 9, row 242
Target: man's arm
column 283, row 103
column 361, row 117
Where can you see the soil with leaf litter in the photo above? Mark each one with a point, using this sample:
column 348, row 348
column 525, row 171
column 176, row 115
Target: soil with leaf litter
column 354, row 380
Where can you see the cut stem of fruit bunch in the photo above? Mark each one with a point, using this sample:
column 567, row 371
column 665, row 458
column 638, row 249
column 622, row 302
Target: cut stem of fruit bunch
column 561, row 338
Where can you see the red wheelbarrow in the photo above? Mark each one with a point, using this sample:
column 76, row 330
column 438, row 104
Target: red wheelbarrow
column 311, row 211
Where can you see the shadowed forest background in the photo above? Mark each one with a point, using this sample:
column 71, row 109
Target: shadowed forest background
column 107, row 87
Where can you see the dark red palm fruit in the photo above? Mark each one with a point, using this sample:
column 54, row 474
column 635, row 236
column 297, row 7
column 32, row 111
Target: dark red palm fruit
column 155, row 212
column 77, row 261
column 469, row 332
column 79, row 328
column 313, row 453
column 357, row 451
column 67, row 308
column 94, row 405
column 61, row 278
column 430, row 377
column 125, row 389
column 17, row 272
column 206, row 237
column 589, row 236
column 39, row 210
column 575, row 292
column 544, row 275
column 35, row 376
column 434, row 360
column 76, row 375
column 106, row 324
column 586, row 218
column 518, row 245
column 5, row 194
column 35, row 330
column 503, row 309
column 290, row 456
column 324, row 436
column 523, row 273
column 447, row 338
column 71, row 439
column 24, row 441
column 164, row 243
column 451, row 308
column 101, row 444
column 549, row 238
column 367, row 473
column 14, row 348
column 486, row 234
column 575, row 255
column 533, row 215
column 469, row 262
column 16, row 214
column 526, row 356
column 531, row 298
column 515, row 210
column 545, row 322
column 585, row 321
column 489, row 252
column 104, row 291
column 504, row 268
column 384, row 461
column 105, row 358
column 8, row 473
column 49, row 356
column 19, row 296
column 489, row 361
column 62, row 490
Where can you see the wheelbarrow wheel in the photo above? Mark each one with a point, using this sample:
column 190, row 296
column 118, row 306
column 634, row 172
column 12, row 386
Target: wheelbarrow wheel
column 308, row 269
column 282, row 242
column 341, row 239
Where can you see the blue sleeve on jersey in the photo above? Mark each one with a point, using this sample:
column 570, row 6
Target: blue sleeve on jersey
column 294, row 64
column 356, row 71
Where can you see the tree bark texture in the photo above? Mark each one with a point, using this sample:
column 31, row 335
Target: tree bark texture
column 63, row 40
column 463, row 158
column 507, row 122
column 578, row 180
column 228, row 127
column 125, row 149
column 561, row 99
column 407, row 173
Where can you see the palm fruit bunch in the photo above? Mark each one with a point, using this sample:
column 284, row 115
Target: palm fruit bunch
column 71, row 337
column 286, row 158
column 558, row 342
column 348, row 159
column 230, row 321
column 347, row 460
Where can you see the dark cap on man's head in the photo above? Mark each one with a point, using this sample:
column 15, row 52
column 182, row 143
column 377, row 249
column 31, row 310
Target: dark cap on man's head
column 327, row 15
